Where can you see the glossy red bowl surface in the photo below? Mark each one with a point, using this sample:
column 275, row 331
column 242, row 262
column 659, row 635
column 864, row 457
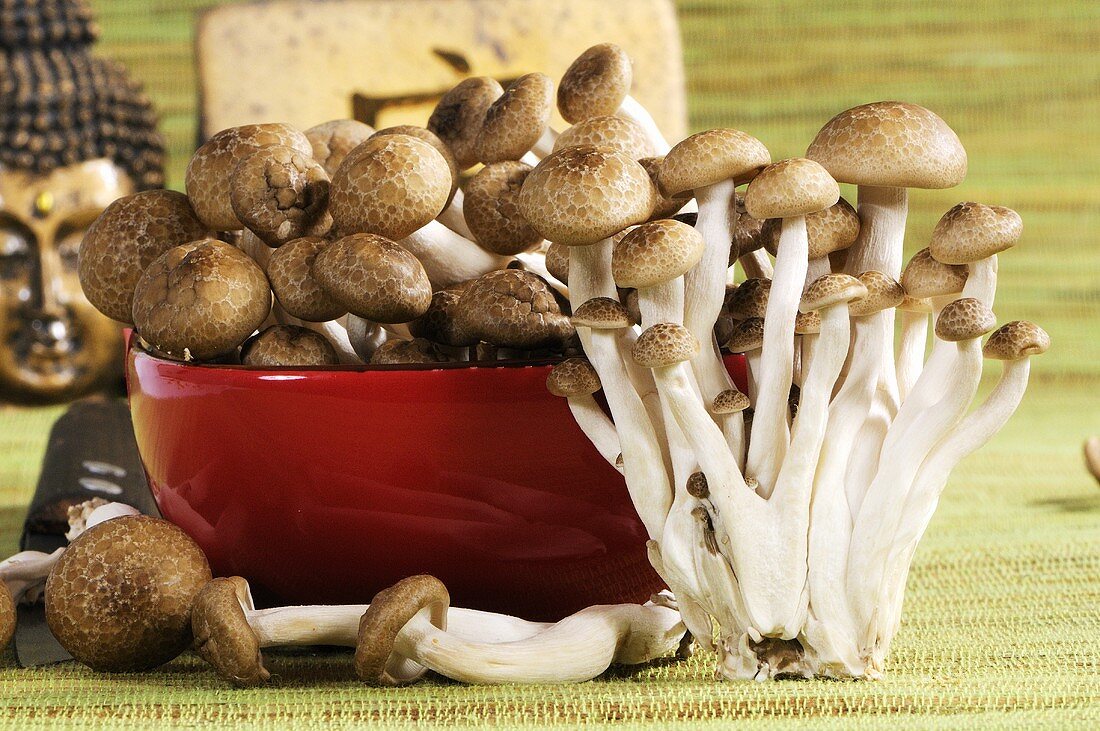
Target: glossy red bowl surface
column 327, row 485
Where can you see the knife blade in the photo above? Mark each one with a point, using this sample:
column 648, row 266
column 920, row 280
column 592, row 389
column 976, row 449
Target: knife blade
column 91, row 452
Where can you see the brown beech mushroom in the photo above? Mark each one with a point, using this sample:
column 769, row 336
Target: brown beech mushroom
column 210, row 171
column 288, row 345
column 290, row 272
column 449, row 214
column 280, row 194
column 973, row 234
column 332, row 141
column 665, row 207
column 492, row 212
column 200, row 300
column 374, row 278
column 616, row 133
column 440, row 324
column 119, row 598
column 512, row 308
column 417, row 350
column 576, row 380
column 460, row 114
column 516, row 120
column 125, row 239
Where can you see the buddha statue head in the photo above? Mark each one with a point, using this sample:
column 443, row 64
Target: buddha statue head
column 75, row 134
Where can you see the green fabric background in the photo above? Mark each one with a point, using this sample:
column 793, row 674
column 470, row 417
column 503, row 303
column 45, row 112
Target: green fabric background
column 1002, row 625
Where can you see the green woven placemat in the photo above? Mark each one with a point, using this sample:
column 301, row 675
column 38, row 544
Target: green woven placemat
column 1002, row 624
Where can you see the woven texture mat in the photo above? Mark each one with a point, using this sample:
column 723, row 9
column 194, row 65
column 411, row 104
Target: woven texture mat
column 1002, row 624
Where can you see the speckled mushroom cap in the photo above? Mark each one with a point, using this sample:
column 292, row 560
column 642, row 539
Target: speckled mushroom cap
column 1015, row 340
column 883, row 292
column 440, row 323
column 924, row 276
column 581, row 195
column 655, row 253
column 665, row 207
column 557, row 262
column 971, row 232
column 833, row 229
column 664, row 344
column 223, row 636
column 125, row 239
column 7, row 616
column 964, row 319
column 602, row 313
column 573, row 377
column 290, row 271
column 374, row 278
column 332, row 141
column 491, row 208
column 915, row 304
column 459, row 115
column 512, row 308
column 831, row 289
column 750, row 299
column 617, row 133
column 711, row 157
column 405, row 352
column 807, row 323
column 750, row 234
column 119, row 598
column 890, row 144
column 729, row 401
column 792, row 187
column 389, row 611
column 516, row 120
column 391, row 186
column 280, row 194
column 432, row 139
column 211, row 167
column 288, row 345
column 748, row 335
column 200, row 300
column 595, row 83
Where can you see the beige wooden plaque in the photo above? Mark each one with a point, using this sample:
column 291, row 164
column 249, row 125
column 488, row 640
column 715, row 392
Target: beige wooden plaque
column 387, row 62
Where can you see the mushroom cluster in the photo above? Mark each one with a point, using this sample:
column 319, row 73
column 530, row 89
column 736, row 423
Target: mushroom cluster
column 784, row 518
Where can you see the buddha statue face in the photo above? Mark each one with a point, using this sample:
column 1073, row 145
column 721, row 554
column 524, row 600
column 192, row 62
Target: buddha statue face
column 54, row 346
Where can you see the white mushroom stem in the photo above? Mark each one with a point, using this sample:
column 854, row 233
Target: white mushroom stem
column 545, row 144
column 910, row 355
column 757, row 265
column 453, row 218
column 337, row 332
column 770, row 434
column 364, row 337
column 981, row 281
column 631, row 109
column 26, row 571
column 599, row 429
column 939, row 358
column 449, row 258
column 535, row 262
column 575, row 649
column 907, row 444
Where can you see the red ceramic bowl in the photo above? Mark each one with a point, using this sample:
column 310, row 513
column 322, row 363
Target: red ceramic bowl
column 327, row 485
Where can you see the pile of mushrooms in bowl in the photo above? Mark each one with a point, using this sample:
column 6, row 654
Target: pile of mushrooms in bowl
column 783, row 517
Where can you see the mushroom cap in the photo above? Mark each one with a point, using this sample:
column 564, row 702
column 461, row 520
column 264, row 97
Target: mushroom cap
column 422, row 133
column 404, row 352
column 332, row 141
column 390, row 185
column 459, row 115
column 573, row 377
column 883, row 292
column 697, row 485
column 374, row 278
column 750, row 234
column 7, row 616
column 750, row 299
column 602, row 313
column 491, row 208
column 280, row 194
column 831, row 289
column 925, row 276
column 516, row 120
column 439, row 323
column 208, row 174
column 200, row 299
column 595, row 83
column 890, row 144
column 119, row 598
column 730, row 401
column 557, row 262
column 1015, row 340
column 617, row 133
column 748, row 335
column 581, row 195
column 665, row 207
column 389, row 611
column 514, row 309
column 964, row 319
column 223, row 636
column 792, row 187
column 288, row 345
column 290, row 272
column 664, row 344
column 971, row 232
column 711, row 157
column 833, row 229
column 807, row 323
column 656, row 252
column 125, row 239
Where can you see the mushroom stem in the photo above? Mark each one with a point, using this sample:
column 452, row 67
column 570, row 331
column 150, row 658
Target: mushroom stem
column 449, row 258
column 631, row 109
column 910, row 357
column 545, row 144
column 453, row 218
column 757, row 265
column 981, row 281
column 599, row 429
column 363, row 336
column 770, row 434
column 25, row 571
